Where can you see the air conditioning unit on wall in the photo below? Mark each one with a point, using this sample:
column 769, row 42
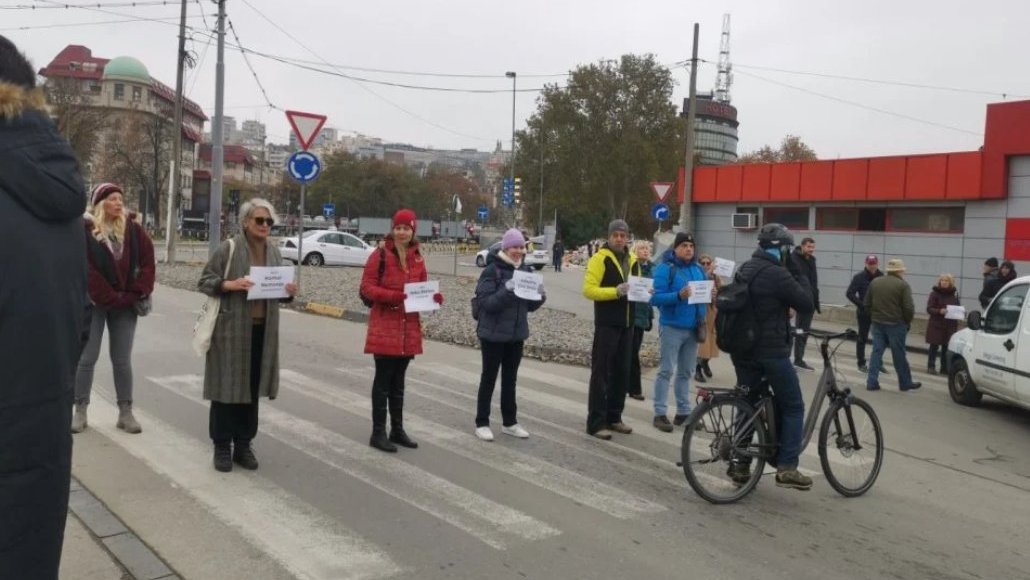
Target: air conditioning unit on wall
column 745, row 221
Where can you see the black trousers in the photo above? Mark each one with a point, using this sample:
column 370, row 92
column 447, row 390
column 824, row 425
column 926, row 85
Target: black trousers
column 388, row 391
column 504, row 357
column 804, row 322
column 864, row 323
column 609, row 376
column 634, row 387
column 35, row 470
column 931, row 360
column 239, row 421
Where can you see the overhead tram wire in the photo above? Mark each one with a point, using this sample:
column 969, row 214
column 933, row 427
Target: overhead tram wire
column 94, row 23
column 362, row 86
column 65, row 5
column 113, row 13
column 250, row 66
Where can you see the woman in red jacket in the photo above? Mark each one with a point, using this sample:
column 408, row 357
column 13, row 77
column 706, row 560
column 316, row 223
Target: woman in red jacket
column 121, row 279
column 394, row 336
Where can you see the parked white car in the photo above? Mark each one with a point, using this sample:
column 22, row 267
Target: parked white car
column 328, row 248
column 481, row 256
column 535, row 258
column 992, row 355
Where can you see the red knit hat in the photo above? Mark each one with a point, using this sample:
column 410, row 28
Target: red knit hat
column 101, row 191
column 404, row 217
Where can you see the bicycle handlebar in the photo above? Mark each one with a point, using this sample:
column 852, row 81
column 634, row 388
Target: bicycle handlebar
column 826, row 335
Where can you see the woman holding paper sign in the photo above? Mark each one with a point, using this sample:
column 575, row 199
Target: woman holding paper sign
column 394, row 336
column 643, row 320
column 503, row 328
column 242, row 362
column 939, row 329
column 708, row 350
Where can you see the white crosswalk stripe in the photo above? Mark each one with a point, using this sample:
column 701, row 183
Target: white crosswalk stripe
column 530, row 469
column 293, row 532
column 492, row 523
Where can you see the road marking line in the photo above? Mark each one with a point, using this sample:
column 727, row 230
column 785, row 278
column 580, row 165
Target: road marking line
column 558, row 480
column 294, row 533
column 484, row 519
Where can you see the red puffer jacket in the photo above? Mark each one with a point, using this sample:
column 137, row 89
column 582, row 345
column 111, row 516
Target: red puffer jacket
column 391, row 331
column 124, row 294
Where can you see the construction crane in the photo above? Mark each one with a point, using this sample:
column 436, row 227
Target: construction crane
column 724, row 79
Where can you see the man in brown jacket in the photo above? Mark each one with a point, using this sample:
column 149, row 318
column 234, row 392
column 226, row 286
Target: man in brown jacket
column 889, row 303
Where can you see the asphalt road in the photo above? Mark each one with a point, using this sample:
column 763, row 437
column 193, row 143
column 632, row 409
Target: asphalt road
column 951, row 502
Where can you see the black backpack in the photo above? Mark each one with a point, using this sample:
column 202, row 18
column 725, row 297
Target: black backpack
column 382, row 268
column 736, row 323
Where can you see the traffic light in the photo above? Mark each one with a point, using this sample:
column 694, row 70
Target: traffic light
column 518, row 190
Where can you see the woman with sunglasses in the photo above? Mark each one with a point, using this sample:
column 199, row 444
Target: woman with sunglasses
column 243, row 361
column 707, row 350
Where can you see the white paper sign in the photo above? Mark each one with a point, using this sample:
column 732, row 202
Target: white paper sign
column 640, row 289
column 955, row 312
column 269, row 282
column 700, row 292
column 527, row 285
column 724, row 267
column 420, row 296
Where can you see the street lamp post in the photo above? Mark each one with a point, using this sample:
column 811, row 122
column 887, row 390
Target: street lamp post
column 512, row 76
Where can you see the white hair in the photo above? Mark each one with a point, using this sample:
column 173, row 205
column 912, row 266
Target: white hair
column 254, row 203
column 637, row 245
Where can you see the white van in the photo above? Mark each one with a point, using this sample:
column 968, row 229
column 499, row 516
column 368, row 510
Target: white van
column 992, row 355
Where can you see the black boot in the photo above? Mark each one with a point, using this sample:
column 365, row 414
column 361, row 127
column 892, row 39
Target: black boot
column 243, row 455
column 379, row 440
column 223, row 457
column 699, row 376
column 931, row 363
column 397, row 434
column 705, row 368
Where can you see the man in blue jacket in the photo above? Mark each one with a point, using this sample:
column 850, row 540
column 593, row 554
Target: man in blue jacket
column 679, row 321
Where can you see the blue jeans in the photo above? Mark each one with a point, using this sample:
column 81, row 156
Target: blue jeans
column 679, row 348
column 790, row 407
column 894, row 335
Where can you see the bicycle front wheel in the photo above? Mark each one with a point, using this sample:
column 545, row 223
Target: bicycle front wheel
column 851, row 447
column 723, row 451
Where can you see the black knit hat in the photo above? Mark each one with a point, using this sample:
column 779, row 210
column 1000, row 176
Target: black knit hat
column 683, row 237
column 992, row 262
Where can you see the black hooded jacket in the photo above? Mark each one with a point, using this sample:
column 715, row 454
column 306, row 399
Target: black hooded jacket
column 502, row 314
column 774, row 291
column 43, row 291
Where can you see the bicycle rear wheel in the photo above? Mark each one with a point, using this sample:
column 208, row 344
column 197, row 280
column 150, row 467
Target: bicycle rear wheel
column 851, row 469
column 721, row 442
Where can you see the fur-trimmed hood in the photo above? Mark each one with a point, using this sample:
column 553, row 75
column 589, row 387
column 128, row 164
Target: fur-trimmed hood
column 37, row 167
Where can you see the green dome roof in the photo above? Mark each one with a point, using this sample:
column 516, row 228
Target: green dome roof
column 126, row 68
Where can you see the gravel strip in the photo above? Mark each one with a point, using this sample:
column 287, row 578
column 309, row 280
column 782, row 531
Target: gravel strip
column 554, row 335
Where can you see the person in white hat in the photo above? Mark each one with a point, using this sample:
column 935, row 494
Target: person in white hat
column 890, row 306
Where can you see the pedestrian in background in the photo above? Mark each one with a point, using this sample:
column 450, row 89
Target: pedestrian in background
column 557, row 254
column 242, row 364
column 802, row 263
column 990, row 285
column 42, row 305
column 120, row 258
column 889, row 302
column 606, row 283
column 679, row 324
column 502, row 328
column 394, row 336
column 856, row 295
column 643, row 319
column 939, row 329
column 708, row 350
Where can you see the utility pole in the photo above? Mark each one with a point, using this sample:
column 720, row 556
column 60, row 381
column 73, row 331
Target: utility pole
column 217, row 151
column 540, row 219
column 688, row 164
column 173, row 195
column 514, row 207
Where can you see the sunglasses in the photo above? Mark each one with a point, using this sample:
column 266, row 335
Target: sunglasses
column 706, row 263
column 264, row 221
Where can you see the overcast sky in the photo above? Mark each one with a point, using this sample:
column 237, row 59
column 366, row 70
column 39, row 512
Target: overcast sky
column 981, row 47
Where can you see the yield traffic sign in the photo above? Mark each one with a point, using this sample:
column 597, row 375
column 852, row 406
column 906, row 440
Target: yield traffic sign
column 661, row 189
column 305, row 126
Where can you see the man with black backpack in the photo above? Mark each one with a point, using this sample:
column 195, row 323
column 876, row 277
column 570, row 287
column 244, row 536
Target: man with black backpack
column 753, row 326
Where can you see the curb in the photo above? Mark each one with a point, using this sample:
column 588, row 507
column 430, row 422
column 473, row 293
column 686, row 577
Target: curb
column 124, row 547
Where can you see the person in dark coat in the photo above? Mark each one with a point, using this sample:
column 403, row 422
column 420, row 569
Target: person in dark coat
column 774, row 292
column 802, row 263
column 939, row 329
column 394, row 335
column 43, row 301
column 503, row 328
column 990, row 286
column 1006, row 274
column 856, row 295
column 643, row 320
column 557, row 254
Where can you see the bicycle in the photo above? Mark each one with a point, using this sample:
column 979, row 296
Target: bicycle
column 729, row 429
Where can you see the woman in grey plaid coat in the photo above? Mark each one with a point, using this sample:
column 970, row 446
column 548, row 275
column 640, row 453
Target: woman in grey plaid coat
column 243, row 361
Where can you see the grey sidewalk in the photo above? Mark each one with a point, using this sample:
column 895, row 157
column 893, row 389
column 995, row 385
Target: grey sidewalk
column 97, row 546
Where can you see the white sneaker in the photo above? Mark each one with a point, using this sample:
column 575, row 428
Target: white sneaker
column 484, row 433
column 515, row 430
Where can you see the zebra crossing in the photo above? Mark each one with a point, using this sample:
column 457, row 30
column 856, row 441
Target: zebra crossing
column 635, row 477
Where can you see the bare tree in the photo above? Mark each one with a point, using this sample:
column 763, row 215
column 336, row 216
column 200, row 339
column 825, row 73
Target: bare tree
column 75, row 116
column 137, row 153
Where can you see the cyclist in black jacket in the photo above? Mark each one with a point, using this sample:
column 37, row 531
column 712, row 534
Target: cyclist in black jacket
column 774, row 291
column 856, row 295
